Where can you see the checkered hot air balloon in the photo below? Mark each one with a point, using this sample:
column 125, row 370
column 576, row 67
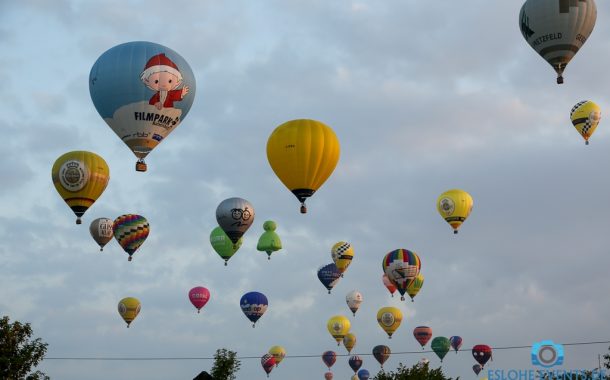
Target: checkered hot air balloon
column 130, row 230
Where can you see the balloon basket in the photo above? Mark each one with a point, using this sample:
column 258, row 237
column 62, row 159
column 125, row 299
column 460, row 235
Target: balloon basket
column 129, row 258
column 455, row 232
column 225, row 263
column 303, row 209
column 79, row 220
column 586, row 142
column 560, row 80
column 141, row 166
column 101, row 249
column 198, row 311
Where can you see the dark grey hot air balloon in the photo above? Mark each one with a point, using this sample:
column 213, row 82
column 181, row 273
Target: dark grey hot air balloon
column 557, row 29
column 235, row 216
column 101, row 231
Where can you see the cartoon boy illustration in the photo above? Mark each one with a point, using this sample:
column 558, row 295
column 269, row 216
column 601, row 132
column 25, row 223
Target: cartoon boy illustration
column 162, row 75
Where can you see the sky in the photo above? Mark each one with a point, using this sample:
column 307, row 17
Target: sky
column 423, row 96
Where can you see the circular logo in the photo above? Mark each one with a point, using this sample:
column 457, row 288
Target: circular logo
column 387, row 319
column 447, row 206
column 73, row 175
column 122, row 308
column 337, row 327
column 547, row 355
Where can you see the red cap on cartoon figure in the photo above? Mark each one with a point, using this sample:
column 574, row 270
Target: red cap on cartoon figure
column 159, row 63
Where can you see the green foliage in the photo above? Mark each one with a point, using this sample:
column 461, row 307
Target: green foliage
column 18, row 353
column 417, row 372
column 226, row 365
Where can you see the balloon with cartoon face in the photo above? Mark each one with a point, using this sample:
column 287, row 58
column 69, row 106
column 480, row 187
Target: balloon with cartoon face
column 481, row 353
column 235, row 216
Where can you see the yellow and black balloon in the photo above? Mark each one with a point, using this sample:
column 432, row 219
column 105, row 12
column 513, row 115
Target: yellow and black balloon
column 80, row 177
column 454, row 206
column 585, row 117
column 129, row 308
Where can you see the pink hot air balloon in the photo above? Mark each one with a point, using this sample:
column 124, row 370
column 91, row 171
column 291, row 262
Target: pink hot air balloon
column 268, row 362
column 328, row 376
column 199, row 296
column 388, row 284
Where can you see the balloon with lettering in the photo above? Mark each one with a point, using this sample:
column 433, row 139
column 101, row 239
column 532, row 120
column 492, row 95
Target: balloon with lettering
column 223, row 246
column 454, row 206
column 585, row 117
column 401, row 266
column 349, row 341
column 80, row 178
column 557, row 29
column 422, row 334
column 456, row 343
column 269, row 241
column 353, row 300
column 381, row 353
column 235, row 216
column 129, row 308
column 279, row 353
column 363, row 374
column 329, row 275
column 303, row 154
column 101, row 231
column 481, row 353
column 389, row 318
column 342, row 254
column 415, row 285
column 355, row 362
column 131, row 230
column 143, row 91
column 440, row 346
column 254, row 305
column 477, row 368
column 329, row 358
column 328, row 376
column 199, row 296
column 388, row 284
column 268, row 362
column 338, row 326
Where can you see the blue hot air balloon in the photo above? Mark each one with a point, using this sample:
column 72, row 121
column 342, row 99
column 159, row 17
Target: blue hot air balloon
column 329, row 358
column 363, row 374
column 355, row 362
column 143, row 91
column 254, row 305
column 456, row 342
column 329, row 275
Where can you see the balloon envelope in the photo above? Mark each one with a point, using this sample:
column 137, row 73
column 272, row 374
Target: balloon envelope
column 143, row 91
column 415, row 285
column 279, row 353
column 363, row 374
column 342, row 254
column 422, row 334
column 129, row 308
column 440, row 346
column 338, row 326
column 267, row 362
column 585, row 117
column 199, row 296
column 389, row 318
column 401, row 266
column 303, row 154
column 223, row 246
column 477, row 368
column 456, row 342
column 329, row 275
column 269, row 241
column 353, row 300
column 349, row 341
column 131, row 230
column 80, row 178
column 382, row 353
column 388, row 284
column 329, row 358
column 328, row 376
column 101, row 231
column 454, row 206
column 481, row 353
column 254, row 305
column 355, row 362
column 235, row 216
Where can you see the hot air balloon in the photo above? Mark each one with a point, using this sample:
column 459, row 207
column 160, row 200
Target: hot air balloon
column 80, row 178
column 389, row 319
column 363, row 374
column 268, row 362
column 303, row 154
column 414, row 286
column 130, row 230
column 199, row 296
column 143, row 91
column 585, row 117
column 423, row 362
column 235, row 216
column 269, row 241
column 454, row 206
column 349, row 341
column 388, row 284
column 456, row 343
column 329, row 358
column 342, row 254
column 355, row 362
column 422, row 334
column 557, row 29
column 328, row 376
column 381, row 353
column 401, row 265
column 101, row 231
column 354, row 377
column 279, row 353
column 440, row 346
column 481, row 353
column 329, row 275
column 129, row 308
column 223, row 246
column 477, row 368
column 338, row 326
column 353, row 299
column 254, row 305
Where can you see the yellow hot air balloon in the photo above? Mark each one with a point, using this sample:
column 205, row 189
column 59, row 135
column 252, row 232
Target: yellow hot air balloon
column 389, row 319
column 80, row 177
column 279, row 353
column 454, row 205
column 349, row 341
column 342, row 254
column 303, row 154
column 415, row 285
column 129, row 308
column 585, row 117
column 338, row 326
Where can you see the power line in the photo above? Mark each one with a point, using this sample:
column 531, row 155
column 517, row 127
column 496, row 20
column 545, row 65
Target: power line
column 101, row 358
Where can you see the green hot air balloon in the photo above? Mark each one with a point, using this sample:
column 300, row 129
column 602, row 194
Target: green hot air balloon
column 269, row 241
column 223, row 245
column 440, row 346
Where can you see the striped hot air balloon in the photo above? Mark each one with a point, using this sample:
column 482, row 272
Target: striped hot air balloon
column 130, row 230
